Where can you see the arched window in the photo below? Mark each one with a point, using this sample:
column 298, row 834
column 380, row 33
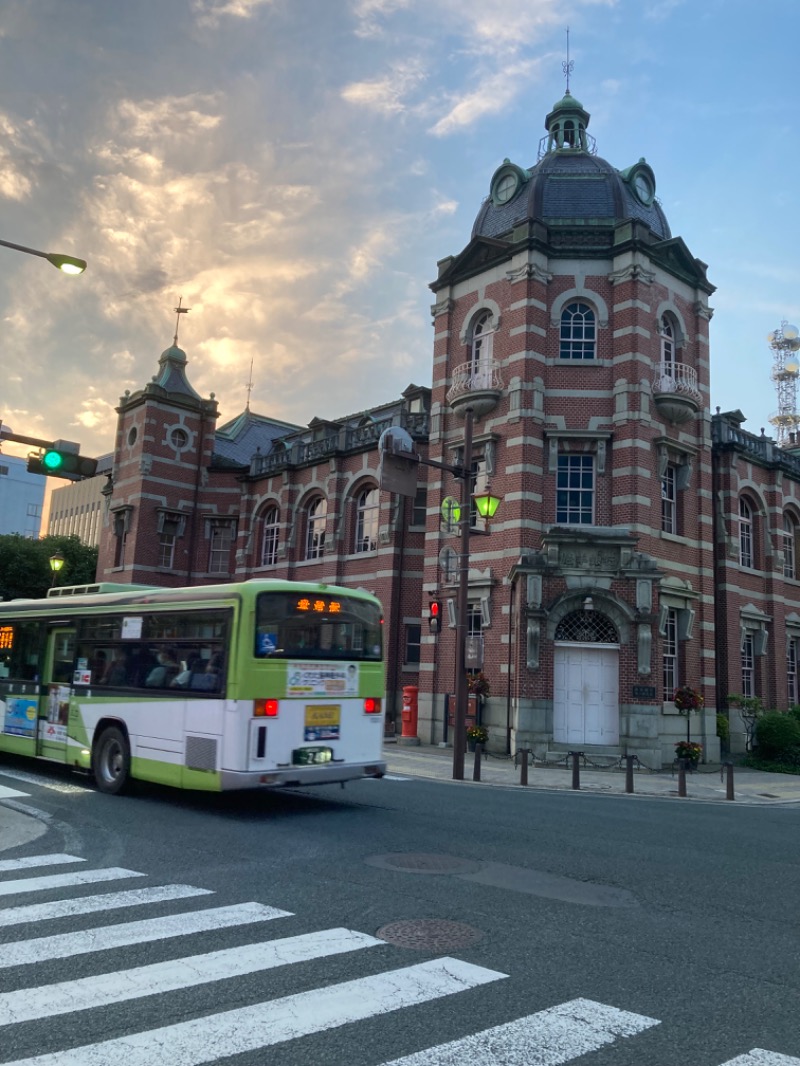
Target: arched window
column 367, row 509
column 316, row 520
column 588, row 627
column 789, row 547
column 269, row 537
column 745, row 533
column 481, row 350
column 578, row 334
column 666, row 333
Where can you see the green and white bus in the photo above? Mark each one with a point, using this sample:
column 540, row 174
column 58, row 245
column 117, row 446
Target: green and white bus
column 259, row 684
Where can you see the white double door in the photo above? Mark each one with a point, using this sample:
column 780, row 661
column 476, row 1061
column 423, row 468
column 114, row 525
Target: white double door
column 586, row 694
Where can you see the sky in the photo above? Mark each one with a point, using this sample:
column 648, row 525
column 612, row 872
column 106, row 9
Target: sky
column 292, row 170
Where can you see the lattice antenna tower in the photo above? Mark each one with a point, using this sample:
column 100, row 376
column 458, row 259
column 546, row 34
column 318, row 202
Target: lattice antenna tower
column 784, row 342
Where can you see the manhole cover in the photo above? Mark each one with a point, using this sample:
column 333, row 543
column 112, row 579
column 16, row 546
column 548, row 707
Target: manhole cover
column 429, row 934
column 422, row 863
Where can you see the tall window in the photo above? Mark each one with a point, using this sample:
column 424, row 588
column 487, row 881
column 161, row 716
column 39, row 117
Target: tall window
column 578, row 338
column 575, row 490
column 670, row 655
column 667, row 337
column 419, row 515
column 669, row 509
column 791, row 672
column 269, row 537
column 166, row 542
column 220, row 544
column 316, row 520
column 479, row 483
column 748, row 665
column 367, row 512
column 120, row 537
column 745, row 533
column 481, row 353
column 413, row 641
column 474, row 620
column 789, row 547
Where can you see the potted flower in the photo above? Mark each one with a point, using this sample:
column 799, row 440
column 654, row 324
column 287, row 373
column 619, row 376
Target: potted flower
column 688, row 700
column 690, row 751
column 476, row 734
column 478, row 685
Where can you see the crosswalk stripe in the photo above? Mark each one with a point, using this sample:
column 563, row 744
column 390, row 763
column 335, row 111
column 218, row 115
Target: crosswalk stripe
column 36, row 860
column 218, row 1036
column 759, row 1057
column 45, row 782
column 11, row 793
column 28, row 1004
column 80, row 877
column 67, row 908
column 102, row 938
column 548, row 1038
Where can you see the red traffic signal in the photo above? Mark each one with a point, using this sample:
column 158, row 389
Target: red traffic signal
column 435, row 616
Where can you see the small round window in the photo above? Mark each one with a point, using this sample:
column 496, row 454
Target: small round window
column 132, row 435
column 179, row 438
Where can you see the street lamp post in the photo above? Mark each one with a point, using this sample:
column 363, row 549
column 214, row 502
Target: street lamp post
column 461, row 693
column 67, row 264
column 56, row 565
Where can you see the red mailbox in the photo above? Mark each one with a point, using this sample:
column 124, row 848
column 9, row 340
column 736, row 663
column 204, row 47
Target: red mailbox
column 410, row 712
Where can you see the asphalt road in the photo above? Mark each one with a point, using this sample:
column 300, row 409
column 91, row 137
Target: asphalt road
column 682, row 917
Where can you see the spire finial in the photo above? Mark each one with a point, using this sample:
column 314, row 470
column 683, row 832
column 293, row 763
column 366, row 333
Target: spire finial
column 179, row 311
column 568, row 66
column 249, row 385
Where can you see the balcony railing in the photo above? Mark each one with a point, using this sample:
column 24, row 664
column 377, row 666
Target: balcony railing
column 470, row 378
column 677, row 379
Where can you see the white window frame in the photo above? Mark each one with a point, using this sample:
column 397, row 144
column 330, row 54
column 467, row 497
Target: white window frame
column 579, row 505
column 792, row 691
column 789, row 533
column 748, row 664
column 270, row 536
column 316, row 521
column 578, row 332
column 670, row 657
column 367, row 520
column 669, row 500
column 221, row 537
column 745, row 534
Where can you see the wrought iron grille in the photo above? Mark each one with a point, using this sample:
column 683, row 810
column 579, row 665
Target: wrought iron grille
column 588, row 627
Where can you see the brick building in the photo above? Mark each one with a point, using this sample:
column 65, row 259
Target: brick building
column 574, row 327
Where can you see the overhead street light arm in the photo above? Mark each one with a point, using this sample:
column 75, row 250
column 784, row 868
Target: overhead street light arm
column 67, row 264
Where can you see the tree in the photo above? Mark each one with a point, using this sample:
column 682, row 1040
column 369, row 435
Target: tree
column 25, row 571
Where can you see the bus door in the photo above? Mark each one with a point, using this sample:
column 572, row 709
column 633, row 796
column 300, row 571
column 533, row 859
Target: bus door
column 59, row 659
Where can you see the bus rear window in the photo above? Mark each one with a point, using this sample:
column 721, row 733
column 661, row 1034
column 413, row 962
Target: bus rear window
column 291, row 625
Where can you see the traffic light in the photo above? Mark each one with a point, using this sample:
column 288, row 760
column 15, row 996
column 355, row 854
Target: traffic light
column 435, row 616
column 62, row 462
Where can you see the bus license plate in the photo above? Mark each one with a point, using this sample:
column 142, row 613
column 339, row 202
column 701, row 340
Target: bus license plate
column 307, row 756
column 322, row 721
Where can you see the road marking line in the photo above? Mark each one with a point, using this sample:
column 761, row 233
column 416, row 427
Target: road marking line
column 65, row 908
column 548, row 1038
column 103, row 938
column 56, row 786
column 759, row 1057
column 80, row 877
column 28, row 1004
column 11, row 793
column 36, row 860
column 233, row 1032
column 390, row 777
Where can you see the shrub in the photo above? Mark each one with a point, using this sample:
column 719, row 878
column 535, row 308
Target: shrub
column 794, row 712
column 777, row 734
column 723, row 728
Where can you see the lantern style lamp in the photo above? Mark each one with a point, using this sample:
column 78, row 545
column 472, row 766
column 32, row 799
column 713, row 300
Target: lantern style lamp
column 56, row 565
column 486, row 504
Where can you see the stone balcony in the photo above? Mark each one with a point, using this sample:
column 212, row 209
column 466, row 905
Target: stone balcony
column 675, row 392
column 475, row 385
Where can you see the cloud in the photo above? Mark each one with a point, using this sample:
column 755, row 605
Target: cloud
column 386, row 95
column 494, row 95
column 211, row 12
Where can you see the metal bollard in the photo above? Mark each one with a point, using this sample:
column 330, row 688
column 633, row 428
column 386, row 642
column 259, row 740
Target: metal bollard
column 681, row 777
column 576, row 770
column 729, row 782
column 629, row 774
column 523, row 773
column 476, row 769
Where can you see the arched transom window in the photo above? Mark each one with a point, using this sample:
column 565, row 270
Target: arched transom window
column 745, row 533
column 481, row 348
column 316, row 520
column 666, row 334
column 578, row 332
column 269, row 537
column 587, row 627
column 367, row 511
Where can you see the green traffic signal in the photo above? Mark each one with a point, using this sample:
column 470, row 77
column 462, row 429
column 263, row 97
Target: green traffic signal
column 52, row 461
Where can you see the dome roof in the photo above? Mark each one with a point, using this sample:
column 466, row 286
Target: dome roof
column 570, row 185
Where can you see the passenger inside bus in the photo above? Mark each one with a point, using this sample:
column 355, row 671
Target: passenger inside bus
column 164, row 672
column 117, row 673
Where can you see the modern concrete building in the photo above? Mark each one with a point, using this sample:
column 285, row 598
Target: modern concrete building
column 21, row 498
column 76, row 508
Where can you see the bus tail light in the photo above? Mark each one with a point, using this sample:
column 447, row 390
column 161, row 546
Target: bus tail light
column 266, row 709
column 372, row 706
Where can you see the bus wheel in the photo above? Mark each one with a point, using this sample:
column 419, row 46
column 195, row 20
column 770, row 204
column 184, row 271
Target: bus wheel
column 111, row 760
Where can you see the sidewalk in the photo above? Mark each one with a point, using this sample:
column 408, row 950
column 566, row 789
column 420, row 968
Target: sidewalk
column 707, row 783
